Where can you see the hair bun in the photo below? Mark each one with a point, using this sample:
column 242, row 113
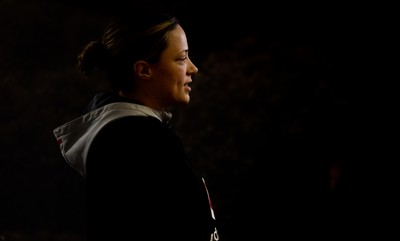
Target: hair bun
column 93, row 55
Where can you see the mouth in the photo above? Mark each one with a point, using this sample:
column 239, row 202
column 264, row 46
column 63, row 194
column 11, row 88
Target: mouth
column 187, row 87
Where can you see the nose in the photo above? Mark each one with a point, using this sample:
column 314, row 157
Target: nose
column 192, row 69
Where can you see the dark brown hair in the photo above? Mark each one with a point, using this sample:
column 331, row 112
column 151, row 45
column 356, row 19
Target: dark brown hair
column 127, row 39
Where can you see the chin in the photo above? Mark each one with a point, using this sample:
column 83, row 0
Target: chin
column 186, row 99
column 181, row 101
column 185, row 102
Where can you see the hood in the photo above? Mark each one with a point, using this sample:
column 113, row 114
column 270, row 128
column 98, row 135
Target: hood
column 76, row 136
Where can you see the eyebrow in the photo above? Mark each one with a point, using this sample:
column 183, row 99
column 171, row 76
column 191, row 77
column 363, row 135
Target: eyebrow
column 185, row 51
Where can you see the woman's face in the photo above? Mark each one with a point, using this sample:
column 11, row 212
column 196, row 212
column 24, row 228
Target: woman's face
column 174, row 71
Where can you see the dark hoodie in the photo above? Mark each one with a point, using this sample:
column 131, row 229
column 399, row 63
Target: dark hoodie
column 140, row 184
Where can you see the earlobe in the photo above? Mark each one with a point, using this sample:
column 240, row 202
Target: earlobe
column 142, row 69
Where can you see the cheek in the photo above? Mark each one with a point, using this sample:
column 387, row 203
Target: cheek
column 181, row 72
column 177, row 74
column 172, row 74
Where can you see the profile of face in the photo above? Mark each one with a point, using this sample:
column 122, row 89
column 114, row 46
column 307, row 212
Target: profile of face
column 170, row 78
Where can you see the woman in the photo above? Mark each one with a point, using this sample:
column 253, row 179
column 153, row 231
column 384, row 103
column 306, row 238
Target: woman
column 140, row 185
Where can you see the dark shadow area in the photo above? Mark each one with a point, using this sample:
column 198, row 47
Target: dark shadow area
column 292, row 117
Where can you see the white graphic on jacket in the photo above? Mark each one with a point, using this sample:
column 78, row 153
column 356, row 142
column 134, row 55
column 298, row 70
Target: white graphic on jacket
column 214, row 236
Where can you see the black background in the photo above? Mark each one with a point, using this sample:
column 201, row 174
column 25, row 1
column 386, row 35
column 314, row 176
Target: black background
column 283, row 93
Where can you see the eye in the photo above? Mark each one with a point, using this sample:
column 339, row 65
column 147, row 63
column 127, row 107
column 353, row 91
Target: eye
column 182, row 59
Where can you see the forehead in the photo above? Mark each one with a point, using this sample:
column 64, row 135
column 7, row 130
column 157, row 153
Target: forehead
column 176, row 39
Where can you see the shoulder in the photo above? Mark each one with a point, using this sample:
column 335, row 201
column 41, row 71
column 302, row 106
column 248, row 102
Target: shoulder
column 133, row 128
column 144, row 125
column 137, row 133
column 133, row 137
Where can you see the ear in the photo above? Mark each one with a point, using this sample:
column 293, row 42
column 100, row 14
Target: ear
column 142, row 69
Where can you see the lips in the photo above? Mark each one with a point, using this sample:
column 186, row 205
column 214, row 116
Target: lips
column 187, row 87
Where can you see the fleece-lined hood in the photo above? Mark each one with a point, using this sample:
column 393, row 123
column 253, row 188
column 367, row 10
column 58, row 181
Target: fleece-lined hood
column 76, row 136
